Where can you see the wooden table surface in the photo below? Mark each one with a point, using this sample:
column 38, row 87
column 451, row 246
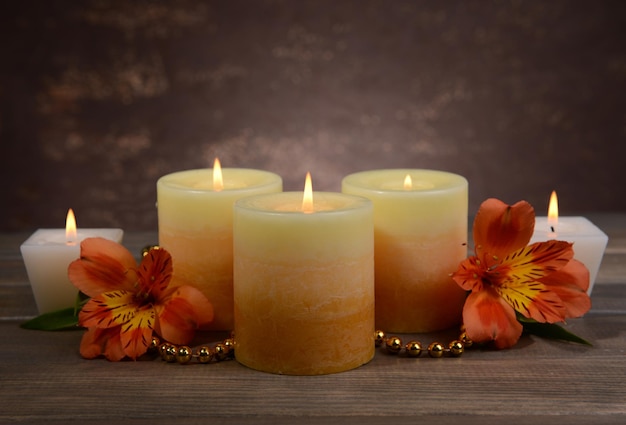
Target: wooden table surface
column 44, row 379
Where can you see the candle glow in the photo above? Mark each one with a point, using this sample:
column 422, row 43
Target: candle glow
column 307, row 197
column 408, row 182
column 553, row 211
column 218, row 181
column 70, row 228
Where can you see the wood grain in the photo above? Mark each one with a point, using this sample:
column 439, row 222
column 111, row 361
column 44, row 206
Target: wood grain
column 43, row 378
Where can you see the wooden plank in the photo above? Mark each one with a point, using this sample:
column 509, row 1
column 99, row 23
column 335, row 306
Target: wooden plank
column 43, row 378
column 547, row 377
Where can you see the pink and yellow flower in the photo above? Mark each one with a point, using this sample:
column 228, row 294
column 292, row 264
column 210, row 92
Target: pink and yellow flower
column 130, row 302
column 541, row 281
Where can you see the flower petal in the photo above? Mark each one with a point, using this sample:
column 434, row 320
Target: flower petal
column 535, row 261
column 155, row 272
column 102, row 267
column 518, row 278
column 500, row 229
column 108, row 310
column 97, row 341
column 181, row 313
column 570, row 284
column 487, row 317
column 533, row 300
column 136, row 334
column 468, row 275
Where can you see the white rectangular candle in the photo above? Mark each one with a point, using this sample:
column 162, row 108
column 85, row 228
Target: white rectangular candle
column 47, row 256
column 589, row 241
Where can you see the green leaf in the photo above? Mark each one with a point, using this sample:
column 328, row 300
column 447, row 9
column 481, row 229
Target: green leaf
column 81, row 300
column 59, row 320
column 552, row 331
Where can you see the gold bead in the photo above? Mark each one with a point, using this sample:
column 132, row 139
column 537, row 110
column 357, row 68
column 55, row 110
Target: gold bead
column 456, row 348
column 393, row 344
column 467, row 343
column 163, row 350
column 229, row 343
column 183, row 354
column 379, row 338
column 154, row 345
column 170, row 353
column 220, row 351
column 205, row 355
column 414, row 348
column 435, row 350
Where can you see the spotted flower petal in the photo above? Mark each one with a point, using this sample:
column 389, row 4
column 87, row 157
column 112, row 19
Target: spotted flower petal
column 136, row 334
column 469, row 275
column 108, row 310
column 155, row 272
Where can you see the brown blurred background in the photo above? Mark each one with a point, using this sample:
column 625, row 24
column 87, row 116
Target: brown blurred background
column 101, row 98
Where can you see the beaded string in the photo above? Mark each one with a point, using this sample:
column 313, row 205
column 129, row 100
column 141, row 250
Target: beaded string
column 225, row 350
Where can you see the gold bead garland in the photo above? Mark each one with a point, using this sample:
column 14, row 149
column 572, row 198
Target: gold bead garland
column 225, row 350
column 393, row 345
column 183, row 354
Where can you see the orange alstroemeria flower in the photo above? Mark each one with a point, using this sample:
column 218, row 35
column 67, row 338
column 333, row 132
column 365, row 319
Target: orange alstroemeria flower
column 541, row 281
column 130, row 302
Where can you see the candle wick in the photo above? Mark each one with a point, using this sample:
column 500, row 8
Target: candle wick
column 552, row 229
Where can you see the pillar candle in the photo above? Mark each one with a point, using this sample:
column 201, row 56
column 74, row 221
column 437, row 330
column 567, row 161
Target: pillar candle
column 420, row 238
column 304, row 283
column 47, row 255
column 195, row 226
column 589, row 241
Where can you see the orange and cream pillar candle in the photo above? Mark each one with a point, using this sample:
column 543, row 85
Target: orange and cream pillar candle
column 420, row 219
column 304, row 282
column 195, row 210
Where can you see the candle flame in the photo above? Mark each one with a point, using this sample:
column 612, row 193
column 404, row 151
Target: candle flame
column 307, row 198
column 553, row 211
column 218, row 181
column 70, row 228
column 408, row 182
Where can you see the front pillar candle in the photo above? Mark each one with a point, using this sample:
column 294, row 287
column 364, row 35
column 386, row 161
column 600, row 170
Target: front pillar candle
column 420, row 238
column 304, row 283
column 195, row 226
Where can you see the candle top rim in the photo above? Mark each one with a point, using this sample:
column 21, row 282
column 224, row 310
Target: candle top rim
column 83, row 232
column 588, row 229
column 184, row 179
column 379, row 180
column 268, row 202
